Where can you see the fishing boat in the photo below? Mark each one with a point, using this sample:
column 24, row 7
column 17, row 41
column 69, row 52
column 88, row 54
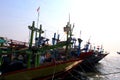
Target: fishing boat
column 42, row 61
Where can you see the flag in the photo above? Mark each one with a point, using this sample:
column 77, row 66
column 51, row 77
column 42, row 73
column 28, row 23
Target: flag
column 38, row 9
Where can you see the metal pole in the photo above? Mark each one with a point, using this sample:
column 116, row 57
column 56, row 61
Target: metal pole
column 32, row 32
column 36, row 43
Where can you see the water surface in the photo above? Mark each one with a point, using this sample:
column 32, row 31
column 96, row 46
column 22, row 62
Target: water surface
column 107, row 69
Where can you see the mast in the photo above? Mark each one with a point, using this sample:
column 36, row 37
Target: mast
column 40, row 32
column 67, row 26
column 79, row 45
column 58, row 36
column 32, row 33
column 53, row 39
column 30, row 44
column 32, row 28
column 68, row 31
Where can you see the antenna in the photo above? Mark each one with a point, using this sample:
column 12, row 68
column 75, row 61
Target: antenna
column 89, row 39
column 37, row 25
column 69, row 18
column 38, row 10
column 80, row 33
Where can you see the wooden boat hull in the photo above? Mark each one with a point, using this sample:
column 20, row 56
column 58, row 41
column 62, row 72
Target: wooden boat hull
column 89, row 63
column 41, row 72
column 85, row 55
column 100, row 57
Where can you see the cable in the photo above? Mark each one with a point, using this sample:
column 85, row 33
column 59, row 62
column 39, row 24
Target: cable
column 73, row 75
column 111, row 73
column 54, row 70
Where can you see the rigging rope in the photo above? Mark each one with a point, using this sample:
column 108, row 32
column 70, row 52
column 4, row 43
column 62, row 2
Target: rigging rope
column 73, row 75
column 110, row 73
column 54, row 70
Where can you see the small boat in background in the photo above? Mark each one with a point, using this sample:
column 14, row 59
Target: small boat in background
column 118, row 52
